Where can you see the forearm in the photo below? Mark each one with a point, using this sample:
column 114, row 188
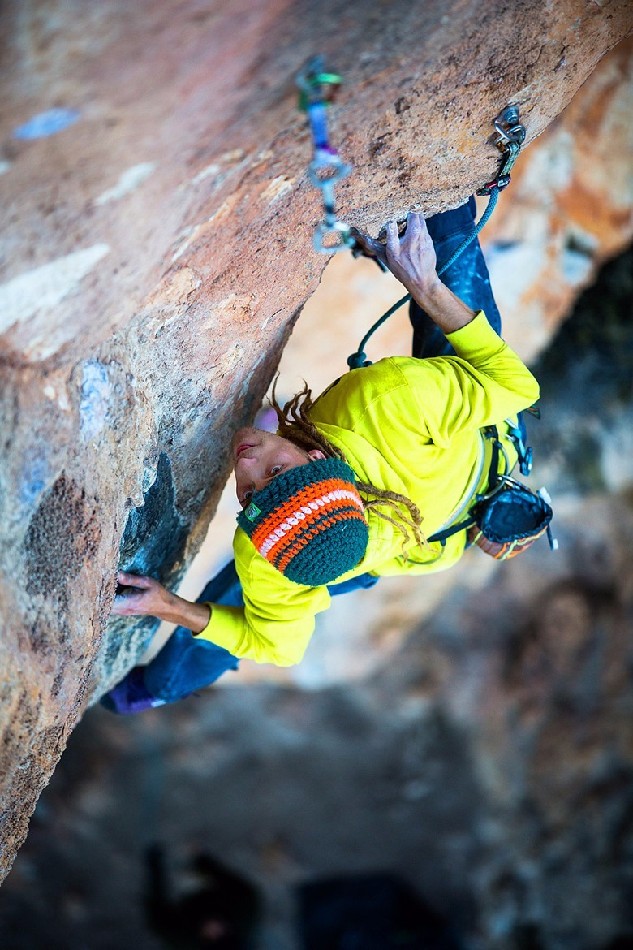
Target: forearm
column 446, row 310
column 184, row 613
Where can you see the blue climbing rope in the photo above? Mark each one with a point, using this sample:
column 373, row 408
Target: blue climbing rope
column 359, row 357
column 510, row 137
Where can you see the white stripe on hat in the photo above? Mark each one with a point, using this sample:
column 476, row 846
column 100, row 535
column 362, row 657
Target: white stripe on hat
column 339, row 494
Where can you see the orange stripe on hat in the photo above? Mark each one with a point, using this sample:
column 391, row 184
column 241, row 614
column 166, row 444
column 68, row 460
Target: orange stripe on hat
column 310, row 503
column 287, row 557
column 326, row 518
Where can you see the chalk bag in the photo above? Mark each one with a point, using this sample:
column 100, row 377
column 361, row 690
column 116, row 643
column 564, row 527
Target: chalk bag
column 509, row 520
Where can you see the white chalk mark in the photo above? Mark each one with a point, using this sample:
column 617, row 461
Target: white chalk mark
column 128, row 181
column 277, row 188
column 46, row 286
column 205, row 173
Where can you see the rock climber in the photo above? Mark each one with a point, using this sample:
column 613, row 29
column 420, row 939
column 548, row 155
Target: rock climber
column 356, row 484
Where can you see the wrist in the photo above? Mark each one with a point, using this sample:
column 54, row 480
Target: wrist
column 428, row 292
column 200, row 621
column 186, row 613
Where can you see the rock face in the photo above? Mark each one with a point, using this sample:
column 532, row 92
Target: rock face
column 153, row 178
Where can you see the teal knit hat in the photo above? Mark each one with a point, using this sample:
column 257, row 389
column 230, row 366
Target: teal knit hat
column 309, row 522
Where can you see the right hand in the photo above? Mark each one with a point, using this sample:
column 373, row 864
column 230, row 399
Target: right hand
column 147, row 598
column 410, row 257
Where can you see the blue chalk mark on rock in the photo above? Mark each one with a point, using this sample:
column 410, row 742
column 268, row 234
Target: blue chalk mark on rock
column 155, row 535
column 46, row 123
column 95, row 399
column 35, row 476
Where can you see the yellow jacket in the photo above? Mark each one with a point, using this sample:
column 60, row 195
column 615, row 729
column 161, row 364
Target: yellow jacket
column 409, row 425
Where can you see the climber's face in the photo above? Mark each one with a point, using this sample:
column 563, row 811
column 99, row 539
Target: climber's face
column 260, row 456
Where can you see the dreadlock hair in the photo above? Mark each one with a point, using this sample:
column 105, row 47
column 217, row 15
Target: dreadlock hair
column 294, row 423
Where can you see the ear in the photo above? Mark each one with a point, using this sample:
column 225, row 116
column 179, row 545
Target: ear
column 316, row 454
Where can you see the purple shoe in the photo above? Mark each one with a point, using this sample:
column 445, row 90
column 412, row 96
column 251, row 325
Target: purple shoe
column 130, row 695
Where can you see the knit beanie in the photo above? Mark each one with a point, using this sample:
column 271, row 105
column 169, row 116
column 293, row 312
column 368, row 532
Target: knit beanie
column 309, row 522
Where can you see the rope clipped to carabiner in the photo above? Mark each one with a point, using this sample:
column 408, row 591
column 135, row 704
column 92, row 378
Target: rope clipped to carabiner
column 510, row 138
column 511, row 135
column 316, row 90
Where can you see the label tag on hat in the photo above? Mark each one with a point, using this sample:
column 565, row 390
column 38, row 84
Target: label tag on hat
column 252, row 512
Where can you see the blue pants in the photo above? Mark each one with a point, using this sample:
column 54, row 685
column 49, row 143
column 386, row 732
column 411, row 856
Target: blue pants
column 468, row 278
column 186, row 664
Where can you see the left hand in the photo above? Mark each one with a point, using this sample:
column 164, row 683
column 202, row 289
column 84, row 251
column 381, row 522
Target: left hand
column 147, row 598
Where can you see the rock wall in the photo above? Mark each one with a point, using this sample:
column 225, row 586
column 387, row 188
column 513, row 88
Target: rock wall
column 154, row 190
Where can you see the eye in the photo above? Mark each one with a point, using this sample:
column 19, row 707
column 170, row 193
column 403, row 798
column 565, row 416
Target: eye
column 246, row 497
column 275, row 470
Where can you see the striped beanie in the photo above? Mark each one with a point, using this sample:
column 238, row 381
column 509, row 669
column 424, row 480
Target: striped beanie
column 309, row 522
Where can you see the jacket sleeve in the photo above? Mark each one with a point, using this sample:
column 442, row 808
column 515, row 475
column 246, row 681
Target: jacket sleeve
column 277, row 620
column 484, row 384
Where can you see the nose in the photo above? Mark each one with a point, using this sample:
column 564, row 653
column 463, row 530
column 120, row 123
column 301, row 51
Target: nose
column 248, row 474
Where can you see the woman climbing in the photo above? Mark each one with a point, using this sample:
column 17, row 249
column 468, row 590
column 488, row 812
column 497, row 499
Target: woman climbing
column 367, row 480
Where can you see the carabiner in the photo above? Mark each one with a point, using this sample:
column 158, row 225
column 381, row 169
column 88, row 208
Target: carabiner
column 326, row 228
column 326, row 168
column 511, row 135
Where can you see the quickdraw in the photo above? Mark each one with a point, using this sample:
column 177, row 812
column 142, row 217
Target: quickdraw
column 316, row 90
column 510, row 138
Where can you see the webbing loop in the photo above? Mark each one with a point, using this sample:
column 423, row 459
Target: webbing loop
column 316, row 90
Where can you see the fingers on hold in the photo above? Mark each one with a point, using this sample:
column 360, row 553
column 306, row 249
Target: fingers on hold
column 132, row 580
column 391, row 231
column 135, row 580
column 142, row 582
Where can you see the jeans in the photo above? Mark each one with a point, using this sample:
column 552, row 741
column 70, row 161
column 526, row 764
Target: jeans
column 467, row 277
column 186, row 664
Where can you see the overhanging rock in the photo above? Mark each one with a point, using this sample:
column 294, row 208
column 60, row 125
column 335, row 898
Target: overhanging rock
column 157, row 250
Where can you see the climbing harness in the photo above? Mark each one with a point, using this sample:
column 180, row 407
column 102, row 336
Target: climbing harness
column 316, row 90
column 508, row 517
column 510, row 137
